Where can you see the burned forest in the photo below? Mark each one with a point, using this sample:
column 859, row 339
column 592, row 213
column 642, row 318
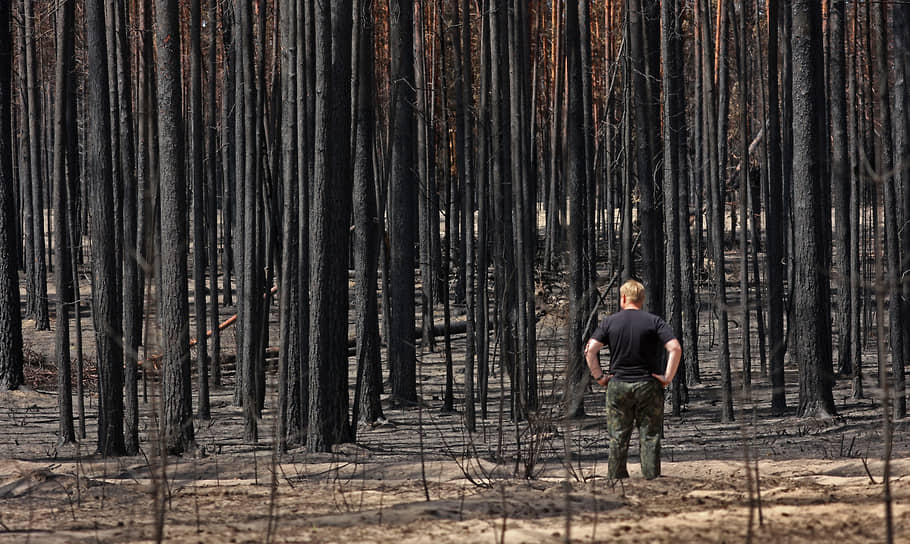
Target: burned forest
column 325, row 270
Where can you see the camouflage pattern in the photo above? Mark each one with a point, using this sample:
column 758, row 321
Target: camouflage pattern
column 640, row 403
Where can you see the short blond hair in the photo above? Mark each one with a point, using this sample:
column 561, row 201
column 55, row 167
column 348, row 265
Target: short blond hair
column 634, row 291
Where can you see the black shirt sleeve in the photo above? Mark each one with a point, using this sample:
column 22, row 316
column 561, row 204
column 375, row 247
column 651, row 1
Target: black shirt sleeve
column 601, row 332
column 664, row 331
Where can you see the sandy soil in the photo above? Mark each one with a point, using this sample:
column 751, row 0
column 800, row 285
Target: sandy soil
column 420, row 477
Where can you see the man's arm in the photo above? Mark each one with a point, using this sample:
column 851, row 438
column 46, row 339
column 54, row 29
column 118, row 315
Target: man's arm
column 591, row 351
column 675, row 351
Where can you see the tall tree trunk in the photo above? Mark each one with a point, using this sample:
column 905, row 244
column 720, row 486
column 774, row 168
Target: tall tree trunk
column 249, row 291
column 330, row 213
column 576, row 370
column 856, row 299
column 197, row 129
column 105, row 306
column 525, row 361
column 42, row 320
column 775, row 222
column 505, row 315
column 840, row 180
column 892, row 208
column 74, row 231
column 367, row 407
column 66, row 23
column 305, row 148
column 24, row 192
column 425, row 182
column 174, row 295
column 809, row 306
column 464, row 105
column 11, row 371
column 214, row 173
column 900, row 21
column 132, row 316
column 402, row 203
column 673, row 135
column 289, row 297
column 651, row 239
column 744, row 188
column 718, row 125
column 230, row 189
column 482, row 313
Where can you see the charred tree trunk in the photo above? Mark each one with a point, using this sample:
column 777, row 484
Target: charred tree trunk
column 42, row 319
column 718, row 183
column 174, row 295
column 901, row 31
column 11, row 371
column 775, row 222
column 330, row 214
column 66, row 23
column 105, row 306
column 402, row 203
column 367, row 408
column 809, row 305
column 576, row 370
column 199, row 239
column 675, row 218
column 892, row 209
column 289, row 292
column 840, row 181
column 211, row 198
column 464, row 105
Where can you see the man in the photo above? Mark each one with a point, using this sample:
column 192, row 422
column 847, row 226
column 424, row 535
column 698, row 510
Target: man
column 634, row 386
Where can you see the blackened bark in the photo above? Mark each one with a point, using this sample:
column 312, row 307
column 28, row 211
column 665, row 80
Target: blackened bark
column 289, row 297
column 744, row 187
column 775, row 223
column 330, row 213
column 856, row 299
column 482, row 313
column 66, row 22
column 576, row 369
column 174, row 299
column 718, row 125
column 105, row 304
column 892, row 208
column 425, row 182
column 809, row 305
column 299, row 375
column 673, row 178
column 464, row 103
column 840, row 181
column 11, row 372
column 402, row 203
column 214, row 173
column 900, row 21
column 42, row 320
column 524, row 236
column 199, row 204
column 132, row 315
column 651, row 243
column 505, row 312
column 229, row 157
column 249, row 292
column 367, row 408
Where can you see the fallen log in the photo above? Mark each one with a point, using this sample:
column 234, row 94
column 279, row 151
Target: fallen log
column 154, row 359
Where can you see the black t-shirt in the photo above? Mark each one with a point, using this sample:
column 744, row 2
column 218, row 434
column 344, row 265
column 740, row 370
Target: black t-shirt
column 636, row 340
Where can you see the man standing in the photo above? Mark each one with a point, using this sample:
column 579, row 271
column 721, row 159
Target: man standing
column 637, row 340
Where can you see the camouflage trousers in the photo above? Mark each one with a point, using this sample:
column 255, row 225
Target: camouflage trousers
column 640, row 403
